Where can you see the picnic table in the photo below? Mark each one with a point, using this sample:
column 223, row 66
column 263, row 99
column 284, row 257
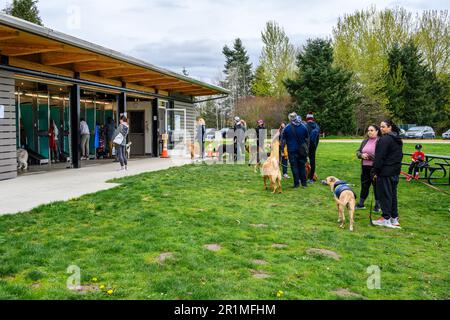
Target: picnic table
column 438, row 167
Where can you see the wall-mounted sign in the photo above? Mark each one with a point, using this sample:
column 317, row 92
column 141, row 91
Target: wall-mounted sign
column 2, row 112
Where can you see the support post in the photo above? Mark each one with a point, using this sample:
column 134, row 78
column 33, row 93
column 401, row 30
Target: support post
column 155, row 126
column 75, row 125
column 122, row 104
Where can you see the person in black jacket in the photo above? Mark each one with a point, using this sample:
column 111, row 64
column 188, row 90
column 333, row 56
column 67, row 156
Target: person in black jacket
column 386, row 171
column 260, row 139
column 314, row 138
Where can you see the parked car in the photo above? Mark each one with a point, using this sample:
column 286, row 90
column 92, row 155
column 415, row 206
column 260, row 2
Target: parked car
column 210, row 134
column 424, row 132
column 402, row 133
column 446, row 135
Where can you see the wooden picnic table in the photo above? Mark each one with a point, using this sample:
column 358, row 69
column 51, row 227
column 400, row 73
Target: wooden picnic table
column 437, row 163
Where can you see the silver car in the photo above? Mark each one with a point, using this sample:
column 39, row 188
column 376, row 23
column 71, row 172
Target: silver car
column 446, row 135
column 424, row 132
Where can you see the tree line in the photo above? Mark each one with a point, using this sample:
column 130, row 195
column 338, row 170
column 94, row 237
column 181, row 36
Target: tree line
column 376, row 64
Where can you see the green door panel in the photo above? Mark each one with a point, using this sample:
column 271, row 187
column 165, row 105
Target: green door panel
column 26, row 111
column 43, row 127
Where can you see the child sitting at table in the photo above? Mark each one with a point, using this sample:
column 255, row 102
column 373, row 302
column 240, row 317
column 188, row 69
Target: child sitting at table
column 417, row 163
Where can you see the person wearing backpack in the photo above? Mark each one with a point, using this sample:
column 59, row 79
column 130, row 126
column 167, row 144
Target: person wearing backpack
column 296, row 137
column 314, row 135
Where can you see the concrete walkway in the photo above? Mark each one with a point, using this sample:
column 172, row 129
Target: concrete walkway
column 30, row 191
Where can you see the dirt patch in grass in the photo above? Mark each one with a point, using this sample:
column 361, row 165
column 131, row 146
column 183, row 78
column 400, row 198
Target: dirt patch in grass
column 164, row 256
column 259, row 226
column 213, row 247
column 258, row 274
column 259, row 262
column 345, row 293
column 87, row 289
column 324, row 252
column 279, row 246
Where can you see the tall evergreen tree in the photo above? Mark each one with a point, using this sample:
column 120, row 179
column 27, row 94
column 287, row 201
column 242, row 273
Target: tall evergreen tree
column 25, row 9
column 238, row 70
column 415, row 94
column 327, row 90
column 238, row 76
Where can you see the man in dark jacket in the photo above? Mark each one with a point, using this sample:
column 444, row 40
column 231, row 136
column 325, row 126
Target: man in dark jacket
column 314, row 134
column 386, row 170
column 296, row 137
column 260, row 139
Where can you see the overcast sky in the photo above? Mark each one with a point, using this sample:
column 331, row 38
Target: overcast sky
column 191, row 33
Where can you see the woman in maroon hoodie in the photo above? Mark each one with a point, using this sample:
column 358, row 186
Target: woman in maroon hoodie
column 366, row 153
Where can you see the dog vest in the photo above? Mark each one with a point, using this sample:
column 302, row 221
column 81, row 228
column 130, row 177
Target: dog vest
column 340, row 187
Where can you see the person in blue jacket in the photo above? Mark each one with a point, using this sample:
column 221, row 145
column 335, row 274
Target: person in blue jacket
column 296, row 137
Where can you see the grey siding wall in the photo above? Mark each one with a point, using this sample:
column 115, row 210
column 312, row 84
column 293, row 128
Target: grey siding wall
column 190, row 117
column 8, row 152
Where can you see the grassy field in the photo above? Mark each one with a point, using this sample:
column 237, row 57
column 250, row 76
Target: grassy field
column 117, row 238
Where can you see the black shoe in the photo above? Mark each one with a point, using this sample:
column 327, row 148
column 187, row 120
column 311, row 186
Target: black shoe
column 296, row 187
column 360, row 207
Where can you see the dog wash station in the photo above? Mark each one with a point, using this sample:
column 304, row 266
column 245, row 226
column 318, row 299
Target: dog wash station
column 49, row 77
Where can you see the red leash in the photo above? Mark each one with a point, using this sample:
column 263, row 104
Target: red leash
column 427, row 184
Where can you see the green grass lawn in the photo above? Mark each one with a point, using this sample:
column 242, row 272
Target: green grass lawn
column 117, row 235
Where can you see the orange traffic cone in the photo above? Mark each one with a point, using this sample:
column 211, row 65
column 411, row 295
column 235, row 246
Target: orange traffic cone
column 165, row 152
column 210, row 151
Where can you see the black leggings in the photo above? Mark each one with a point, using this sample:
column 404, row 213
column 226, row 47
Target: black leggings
column 366, row 182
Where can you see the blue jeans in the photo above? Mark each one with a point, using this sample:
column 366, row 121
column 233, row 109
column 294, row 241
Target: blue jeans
column 298, row 168
column 122, row 156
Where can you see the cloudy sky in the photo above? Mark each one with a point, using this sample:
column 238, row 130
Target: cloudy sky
column 191, row 33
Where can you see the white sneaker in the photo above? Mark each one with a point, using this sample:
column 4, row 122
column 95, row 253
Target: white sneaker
column 395, row 223
column 382, row 222
column 121, row 169
column 286, row 176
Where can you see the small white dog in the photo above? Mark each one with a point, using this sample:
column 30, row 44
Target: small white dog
column 22, row 159
column 128, row 150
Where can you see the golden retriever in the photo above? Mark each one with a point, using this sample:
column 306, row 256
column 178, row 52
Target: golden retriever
column 271, row 168
column 346, row 199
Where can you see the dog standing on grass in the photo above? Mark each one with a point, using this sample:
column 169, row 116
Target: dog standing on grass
column 271, row 168
column 344, row 197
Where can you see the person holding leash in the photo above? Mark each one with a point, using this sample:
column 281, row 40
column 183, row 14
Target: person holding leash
column 296, row 137
column 366, row 153
column 283, row 152
column 386, row 171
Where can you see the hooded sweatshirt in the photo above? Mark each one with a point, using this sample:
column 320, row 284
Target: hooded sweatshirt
column 388, row 155
column 293, row 141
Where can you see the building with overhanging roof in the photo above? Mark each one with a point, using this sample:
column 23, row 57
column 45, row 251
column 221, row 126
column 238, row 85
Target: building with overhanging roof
column 50, row 77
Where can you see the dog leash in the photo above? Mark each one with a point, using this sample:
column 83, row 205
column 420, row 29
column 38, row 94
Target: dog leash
column 427, row 184
column 371, row 207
